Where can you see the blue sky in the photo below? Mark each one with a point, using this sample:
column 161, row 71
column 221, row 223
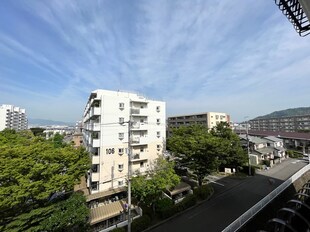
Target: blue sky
column 242, row 57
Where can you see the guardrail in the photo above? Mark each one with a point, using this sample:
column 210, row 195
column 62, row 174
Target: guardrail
column 250, row 213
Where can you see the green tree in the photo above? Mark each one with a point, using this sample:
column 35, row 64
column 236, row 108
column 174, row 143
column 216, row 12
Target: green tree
column 31, row 171
column 148, row 188
column 58, row 140
column 196, row 149
column 232, row 153
column 37, row 131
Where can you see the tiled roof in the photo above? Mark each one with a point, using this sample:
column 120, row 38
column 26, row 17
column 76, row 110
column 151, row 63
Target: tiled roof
column 282, row 134
column 273, row 139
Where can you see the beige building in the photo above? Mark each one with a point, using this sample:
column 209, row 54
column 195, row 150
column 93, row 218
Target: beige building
column 209, row 119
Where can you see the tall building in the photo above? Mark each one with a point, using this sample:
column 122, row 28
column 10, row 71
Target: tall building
column 209, row 119
column 13, row 117
column 105, row 133
column 287, row 124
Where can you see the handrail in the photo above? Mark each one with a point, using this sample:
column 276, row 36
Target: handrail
column 250, row 213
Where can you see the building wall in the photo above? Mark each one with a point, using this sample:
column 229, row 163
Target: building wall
column 13, row 117
column 215, row 118
column 288, row 124
column 110, row 150
column 209, row 119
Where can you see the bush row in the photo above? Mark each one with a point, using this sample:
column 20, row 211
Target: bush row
column 141, row 223
column 137, row 225
column 294, row 154
column 186, row 203
column 245, row 169
column 203, row 192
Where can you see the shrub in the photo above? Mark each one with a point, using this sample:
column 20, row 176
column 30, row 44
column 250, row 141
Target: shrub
column 118, row 229
column 266, row 162
column 203, row 192
column 141, row 223
column 294, row 154
column 163, row 204
column 186, row 203
column 245, row 169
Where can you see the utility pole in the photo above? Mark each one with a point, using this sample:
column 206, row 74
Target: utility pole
column 248, row 146
column 129, row 173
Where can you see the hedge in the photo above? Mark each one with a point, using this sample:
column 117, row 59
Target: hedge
column 188, row 201
column 141, row 223
column 203, row 192
column 163, row 204
column 118, row 229
column 245, row 169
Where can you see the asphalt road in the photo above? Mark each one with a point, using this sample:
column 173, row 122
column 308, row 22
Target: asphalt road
column 231, row 199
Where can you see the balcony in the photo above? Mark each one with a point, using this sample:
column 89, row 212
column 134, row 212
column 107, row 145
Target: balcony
column 96, row 143
column 139, row 140
column 95, row 127
column 139, row 126
column 95, row 159
column 95, row 111
column 139, row 111
column 138, row 157
column 95, row 176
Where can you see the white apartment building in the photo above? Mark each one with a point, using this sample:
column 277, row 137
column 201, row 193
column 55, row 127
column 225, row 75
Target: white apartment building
column 13, row 117
column 105, row 133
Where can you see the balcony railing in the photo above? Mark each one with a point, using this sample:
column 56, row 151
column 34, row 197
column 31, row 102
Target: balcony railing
column 96, row 143
column 135, row 111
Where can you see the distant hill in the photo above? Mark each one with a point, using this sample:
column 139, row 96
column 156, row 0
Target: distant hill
column 288, row 112
column 46, row 122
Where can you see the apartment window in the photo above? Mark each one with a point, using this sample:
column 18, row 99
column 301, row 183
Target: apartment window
column 120, row 183
column 158, row 108
column 121, row 120
column 141, row 120
column 158, row 121
column 216, row 117
column 158, row 134
column 95, row 185
column 121, row 136
column 95, row 168
column 121, row 151
column 158, row 146
column 141, row 164
column 120, row 167
column 141, row 149
column 121, row 105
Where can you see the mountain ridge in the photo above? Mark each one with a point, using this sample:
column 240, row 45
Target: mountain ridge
column 299, row 111
column 47, row 122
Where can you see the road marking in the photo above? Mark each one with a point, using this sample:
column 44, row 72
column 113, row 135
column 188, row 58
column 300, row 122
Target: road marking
column 296, row 162
column 216, row 182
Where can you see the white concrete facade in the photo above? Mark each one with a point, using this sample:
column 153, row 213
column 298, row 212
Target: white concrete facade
column 105, row 133
column 13, row 117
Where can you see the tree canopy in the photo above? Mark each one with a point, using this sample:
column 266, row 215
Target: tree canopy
column 204, row 151
column 232, row 154
column 31, row 171
column 148, row 188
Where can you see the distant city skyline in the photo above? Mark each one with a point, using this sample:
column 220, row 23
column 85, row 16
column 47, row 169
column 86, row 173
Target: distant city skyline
column 240, row 57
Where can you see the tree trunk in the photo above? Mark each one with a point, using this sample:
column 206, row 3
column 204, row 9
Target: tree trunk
column 200, row 179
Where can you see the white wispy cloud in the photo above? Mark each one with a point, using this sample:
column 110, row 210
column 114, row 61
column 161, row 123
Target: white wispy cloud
column 240, row 57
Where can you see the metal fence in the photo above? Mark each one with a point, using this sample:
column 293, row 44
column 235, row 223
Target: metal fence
column 244, row 218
